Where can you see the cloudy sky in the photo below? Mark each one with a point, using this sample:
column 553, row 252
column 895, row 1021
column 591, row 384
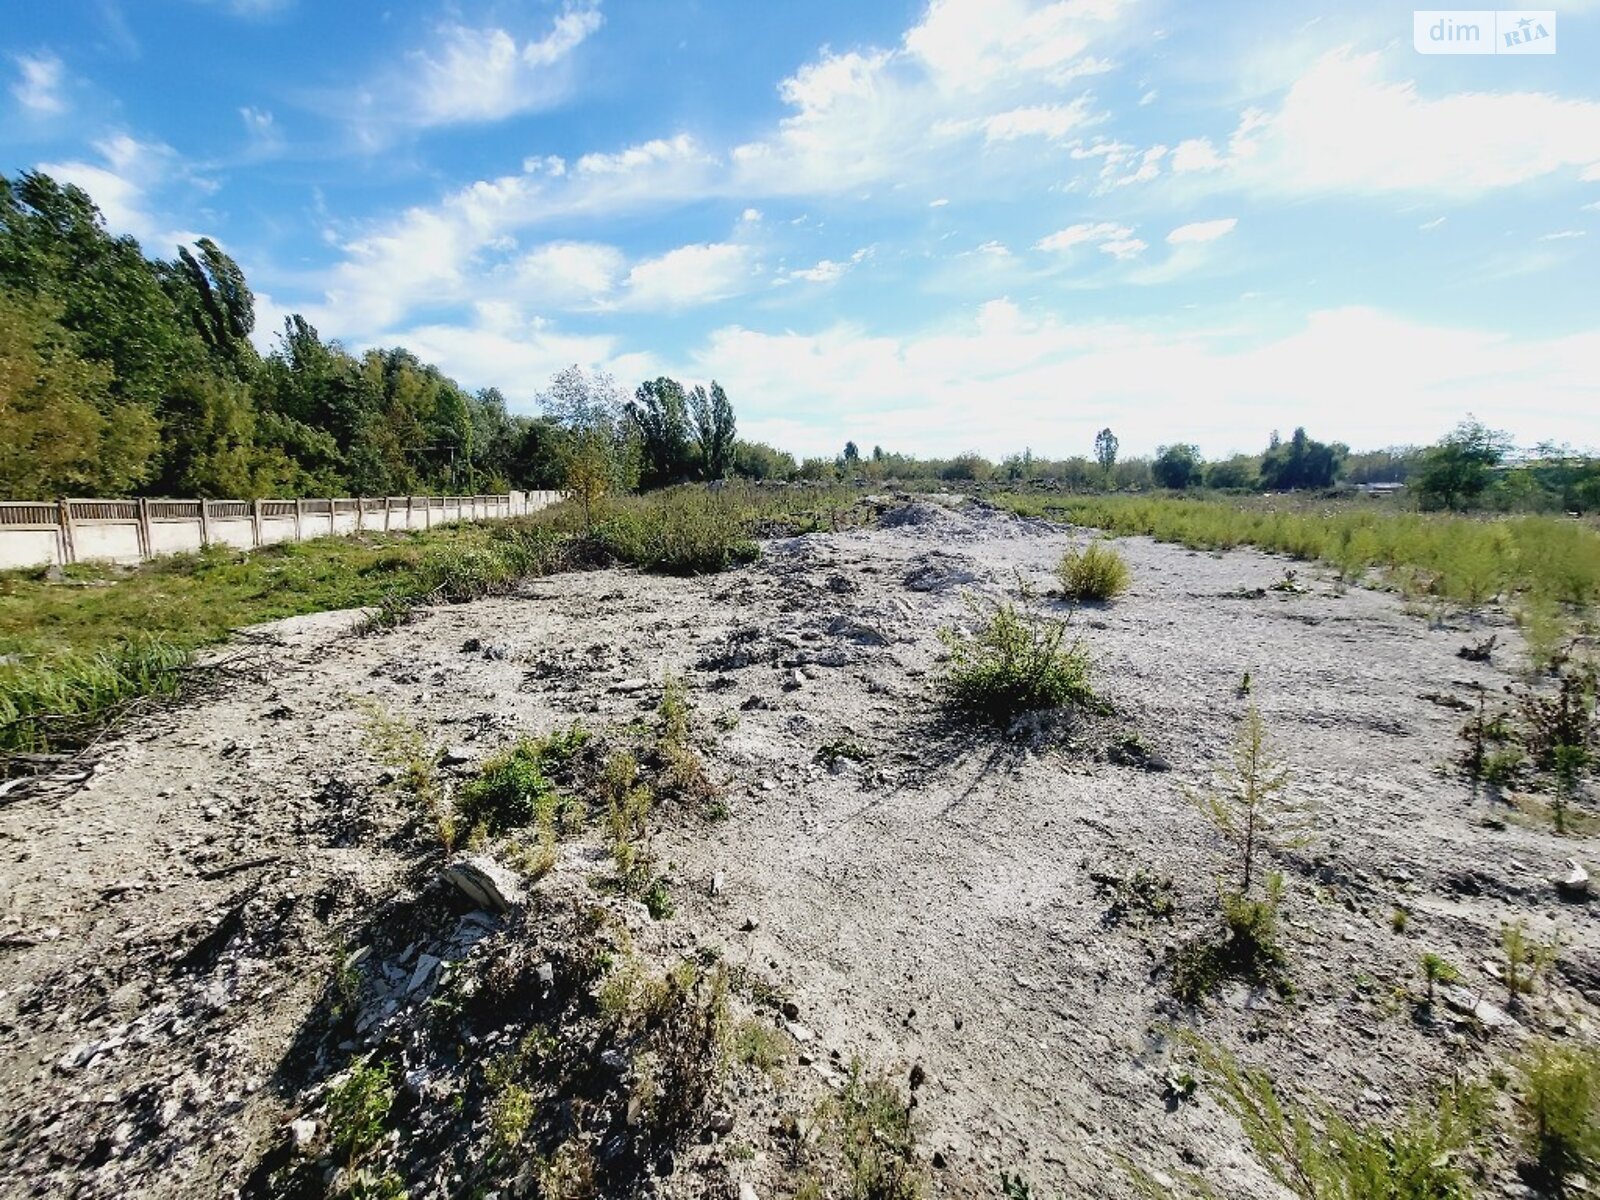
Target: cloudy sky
column 938, row 226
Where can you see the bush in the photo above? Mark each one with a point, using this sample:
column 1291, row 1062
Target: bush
column 681, row 531
column 1558, row 1105
column 1095, row 573
column 1016, row 662
column 513, row 789
column 1246, row 947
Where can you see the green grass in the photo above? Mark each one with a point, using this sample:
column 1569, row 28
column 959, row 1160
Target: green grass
column 1465, row 560
column 1016, row 661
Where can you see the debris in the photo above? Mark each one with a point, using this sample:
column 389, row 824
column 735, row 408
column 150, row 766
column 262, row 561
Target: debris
column 302, row 1133
column 1574, row 885
column 455, row 756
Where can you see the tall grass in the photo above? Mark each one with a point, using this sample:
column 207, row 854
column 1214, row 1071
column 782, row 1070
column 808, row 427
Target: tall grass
column 1461, row 559
column 56, row 705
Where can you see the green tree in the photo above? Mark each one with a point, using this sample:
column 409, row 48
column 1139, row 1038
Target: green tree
column 65, row 431
column 1456, row 472
column 1105, row 450
column 715, row 428
column 660, row 413
column 1301, row 463
column 1178, row 466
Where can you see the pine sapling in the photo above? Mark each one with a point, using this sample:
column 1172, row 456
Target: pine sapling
column 1252, row 809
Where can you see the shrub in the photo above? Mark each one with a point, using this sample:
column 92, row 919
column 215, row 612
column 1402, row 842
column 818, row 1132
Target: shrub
column 876, row 1138
column 1251, row 810
column 681, row 531
column 1437, row 970
column 1558, row 1105
column 357, row 1107
column 513, row 789
column 1017, row 661
column 1096, row 572
column 1245, row 946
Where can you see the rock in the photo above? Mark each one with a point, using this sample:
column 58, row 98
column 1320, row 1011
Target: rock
column 546, row 973
column 1469, row 1003
column 630, row 686
column 720, row 1122
column 717, row 883
column 939, row 1160
column 750, row 925
column 425, row 967
column 302, row 1133
column 795, row 681
column 746, row 1192
column 752, row 703
column 455, row 756
column 856, row 631
column 935, row 578
column 799, row 1032
column 471, row 646
column 485, row 882
column 75, row 1057
column 918, row 1076
column 1574, row 884
column 791, row 1011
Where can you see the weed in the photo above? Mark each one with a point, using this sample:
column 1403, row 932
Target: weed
column 398, row 744
column 1014, row 1187
column 1559, row 730
column 689, row 1044
column 513, row 789
column 841, row 748
column 1558, row 1106
column 59, row 703
column 357, row 1107
column 1097, row 572
column 1436, row 970
column 1322, row 1156
column 1251, row 810
column 758, row 1044
column 1526, row 959
column 873, row 1128
column 1246, row 947
column 1017, row 661
column 1399, row 919
column 1141, row 896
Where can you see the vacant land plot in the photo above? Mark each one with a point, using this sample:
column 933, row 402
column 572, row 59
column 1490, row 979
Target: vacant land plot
column 947, row 951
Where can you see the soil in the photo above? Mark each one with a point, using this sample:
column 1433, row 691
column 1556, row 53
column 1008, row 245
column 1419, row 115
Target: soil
column 933, row 898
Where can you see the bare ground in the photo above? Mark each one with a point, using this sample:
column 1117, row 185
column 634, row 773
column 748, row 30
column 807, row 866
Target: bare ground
column 168, row 928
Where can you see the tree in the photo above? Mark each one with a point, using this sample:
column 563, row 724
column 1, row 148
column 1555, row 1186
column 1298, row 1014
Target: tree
column 715, row 428
column 1251, row 810
column 1456, row 472
column 852, row 453
column 588, row 471
column 659, row 411
column 1302, row 463
column 212, row 290
column 62, row 430
column 1177, row 466
column 1105, row 450
column 1234, row 474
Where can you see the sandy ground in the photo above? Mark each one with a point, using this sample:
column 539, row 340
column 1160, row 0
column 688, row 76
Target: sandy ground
column 931, row 906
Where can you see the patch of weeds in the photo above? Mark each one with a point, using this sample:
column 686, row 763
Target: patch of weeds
column 1527, row 958
column 1436, row 970
column 1319, row 1155
column 1245, row 947
column 399, row 745
column 514, row 789
column 358, row 1106
column 841, row 749
column 1014, row 1187
column 1289, row 585
column 1399, row 919
column 1016, row 661
column 346, row 983
column 391, row 610
column 1097, row 572
column 871, row 1124
column 760, row 1045
column 571, row 1173
column 1558, row 1111
column 1141, row 896
column 59, row 703
column 687, row 1050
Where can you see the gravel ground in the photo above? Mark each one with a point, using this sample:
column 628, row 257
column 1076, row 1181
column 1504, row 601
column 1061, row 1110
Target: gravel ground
column 935, row 900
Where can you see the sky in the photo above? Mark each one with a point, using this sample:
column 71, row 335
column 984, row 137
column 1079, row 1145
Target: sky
column 931, row 225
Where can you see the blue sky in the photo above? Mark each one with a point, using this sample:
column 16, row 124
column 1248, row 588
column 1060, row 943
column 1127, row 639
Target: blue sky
column 938, row 226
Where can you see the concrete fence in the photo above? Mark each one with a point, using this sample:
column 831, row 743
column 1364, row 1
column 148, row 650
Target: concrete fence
column 129, row 531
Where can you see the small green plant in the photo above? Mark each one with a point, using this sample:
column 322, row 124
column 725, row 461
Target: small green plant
column 680, row 770
column 399, row 745
column 358, row 1106
column 1436, row 970
column 1322, row 1156
column 1526, row 959
column 758, row 1044
column 1246, row 684
column 514, row 788
column 1246, row 947
column 1016, row 661
column 1251, row 810
column 1399, row 919
column 1558, row 1108
column 1097, row 572
column 1014, row 1187
column 872, row 1126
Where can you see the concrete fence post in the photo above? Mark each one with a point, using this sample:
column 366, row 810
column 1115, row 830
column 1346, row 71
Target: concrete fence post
column 255, row 522
column 205, row 523
column 386, row 502
column 299, row 518
column 69, row 546
column 361, row 513
column 144, row 528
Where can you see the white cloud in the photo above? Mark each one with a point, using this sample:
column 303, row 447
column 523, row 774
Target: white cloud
column 1202, row 231
column 505, row 351
column 122, row 183
column 569, row 273
column 1426, row 226
column 41, row 78
column 939, row 203
column 1052, row 121
column 826, row 271
column 1195, row 154
column 1115, row 240
column 1149, row 97
column 689, row 275
column 1344, row 128
column 1412, row 382
column 995, row 249
column 1562, row 235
